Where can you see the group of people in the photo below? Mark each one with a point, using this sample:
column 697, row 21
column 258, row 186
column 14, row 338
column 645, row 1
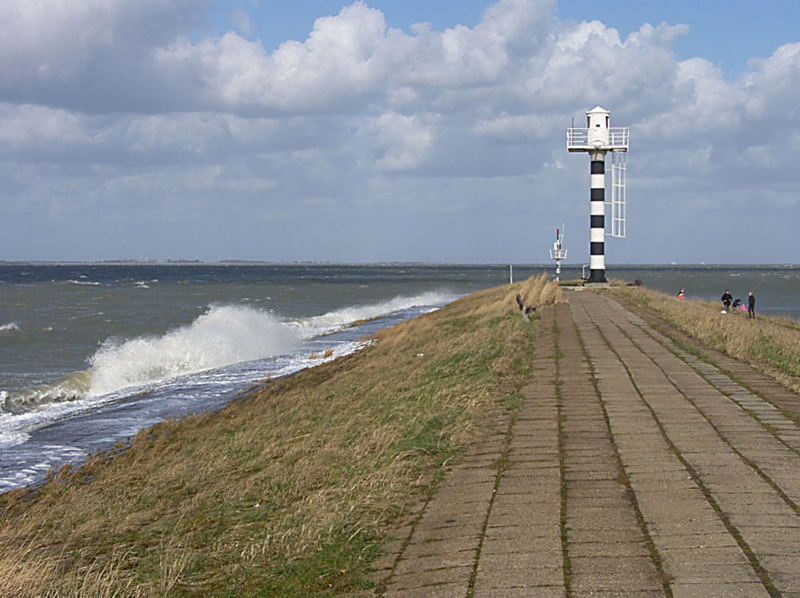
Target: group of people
column 729, row 302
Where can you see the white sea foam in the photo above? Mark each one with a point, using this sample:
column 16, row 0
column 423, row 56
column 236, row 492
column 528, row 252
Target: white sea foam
column 340, row 318
column 222, row 336
column 225, row 335
column 9, row 438
column 10, row 327
column 89, row 283
column 70, row 388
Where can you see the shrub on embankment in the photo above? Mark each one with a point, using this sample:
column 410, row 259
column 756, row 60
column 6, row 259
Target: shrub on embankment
column 288, row 490
column 768, row 343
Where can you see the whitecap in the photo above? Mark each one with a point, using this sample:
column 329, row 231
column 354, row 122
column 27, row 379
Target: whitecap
column 341, row 318
column 71, row 388
column 83, row 282
column 222, row 336
column 10, row 327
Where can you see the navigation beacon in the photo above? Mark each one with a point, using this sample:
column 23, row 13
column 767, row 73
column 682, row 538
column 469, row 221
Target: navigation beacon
column 557, row 253
column 597, row 139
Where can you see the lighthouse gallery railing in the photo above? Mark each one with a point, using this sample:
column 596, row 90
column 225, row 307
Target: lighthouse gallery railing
column 578, row 139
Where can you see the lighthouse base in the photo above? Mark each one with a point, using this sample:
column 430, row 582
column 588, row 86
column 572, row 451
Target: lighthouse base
column 597, row 276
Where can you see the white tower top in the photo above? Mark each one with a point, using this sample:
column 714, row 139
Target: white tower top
column 598, row 134
column 597, row 122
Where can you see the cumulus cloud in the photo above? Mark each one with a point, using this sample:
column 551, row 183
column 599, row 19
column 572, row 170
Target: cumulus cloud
column 137, row 101
column 404, row 140
column 773, row 84
column 88, row 55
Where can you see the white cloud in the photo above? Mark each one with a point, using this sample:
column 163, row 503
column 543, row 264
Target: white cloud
column 26, row 126
column 116, row 100
column 404, row 140
column 242, row 21
column 773, row 85
column 91, row 55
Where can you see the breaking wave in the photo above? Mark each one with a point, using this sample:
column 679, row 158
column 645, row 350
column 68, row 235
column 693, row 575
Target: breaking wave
column 225, row 335
column 341, row 318
column 71, row 388
column 10, row 327
column 222, row 336
column 88, row 283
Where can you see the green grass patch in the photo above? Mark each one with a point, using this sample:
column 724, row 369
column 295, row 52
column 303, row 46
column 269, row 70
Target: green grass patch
column 768, row 350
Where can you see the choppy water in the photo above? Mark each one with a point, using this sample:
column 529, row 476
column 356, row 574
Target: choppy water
column 90, row 354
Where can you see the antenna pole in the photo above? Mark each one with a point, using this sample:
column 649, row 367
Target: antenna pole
column 558, row 253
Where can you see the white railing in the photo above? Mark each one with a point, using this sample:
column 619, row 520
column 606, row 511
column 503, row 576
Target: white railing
column 578, row 139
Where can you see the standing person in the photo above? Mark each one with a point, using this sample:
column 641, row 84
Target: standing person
column 726, row 300
column 751, row 305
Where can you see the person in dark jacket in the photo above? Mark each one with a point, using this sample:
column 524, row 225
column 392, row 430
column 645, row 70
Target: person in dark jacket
column 726, row 299
column 751, row 305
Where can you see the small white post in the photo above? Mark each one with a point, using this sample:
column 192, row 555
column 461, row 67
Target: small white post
column 558, row 253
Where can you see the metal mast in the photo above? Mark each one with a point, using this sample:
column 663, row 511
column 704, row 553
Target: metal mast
column 557, row 253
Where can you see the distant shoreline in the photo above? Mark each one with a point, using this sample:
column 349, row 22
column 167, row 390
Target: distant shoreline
column 234, row 262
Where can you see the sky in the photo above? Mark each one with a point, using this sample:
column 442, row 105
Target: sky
column 374, row 131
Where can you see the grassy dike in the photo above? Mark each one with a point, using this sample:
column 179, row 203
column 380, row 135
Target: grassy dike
column 769, row 344
column 287, row 491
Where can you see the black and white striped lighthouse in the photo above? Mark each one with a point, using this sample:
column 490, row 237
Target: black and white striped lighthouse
column 597, row 139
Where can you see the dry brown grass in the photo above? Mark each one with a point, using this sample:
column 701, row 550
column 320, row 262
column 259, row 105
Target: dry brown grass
column 286, row 491
column 770, row 344
column 26, row 573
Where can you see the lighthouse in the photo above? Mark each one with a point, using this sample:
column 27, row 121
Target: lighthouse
column 598, row 139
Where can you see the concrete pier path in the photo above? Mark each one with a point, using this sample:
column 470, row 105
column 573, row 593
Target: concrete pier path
column 634, row 466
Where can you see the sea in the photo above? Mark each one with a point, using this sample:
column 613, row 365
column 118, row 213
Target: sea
column 92, row 353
